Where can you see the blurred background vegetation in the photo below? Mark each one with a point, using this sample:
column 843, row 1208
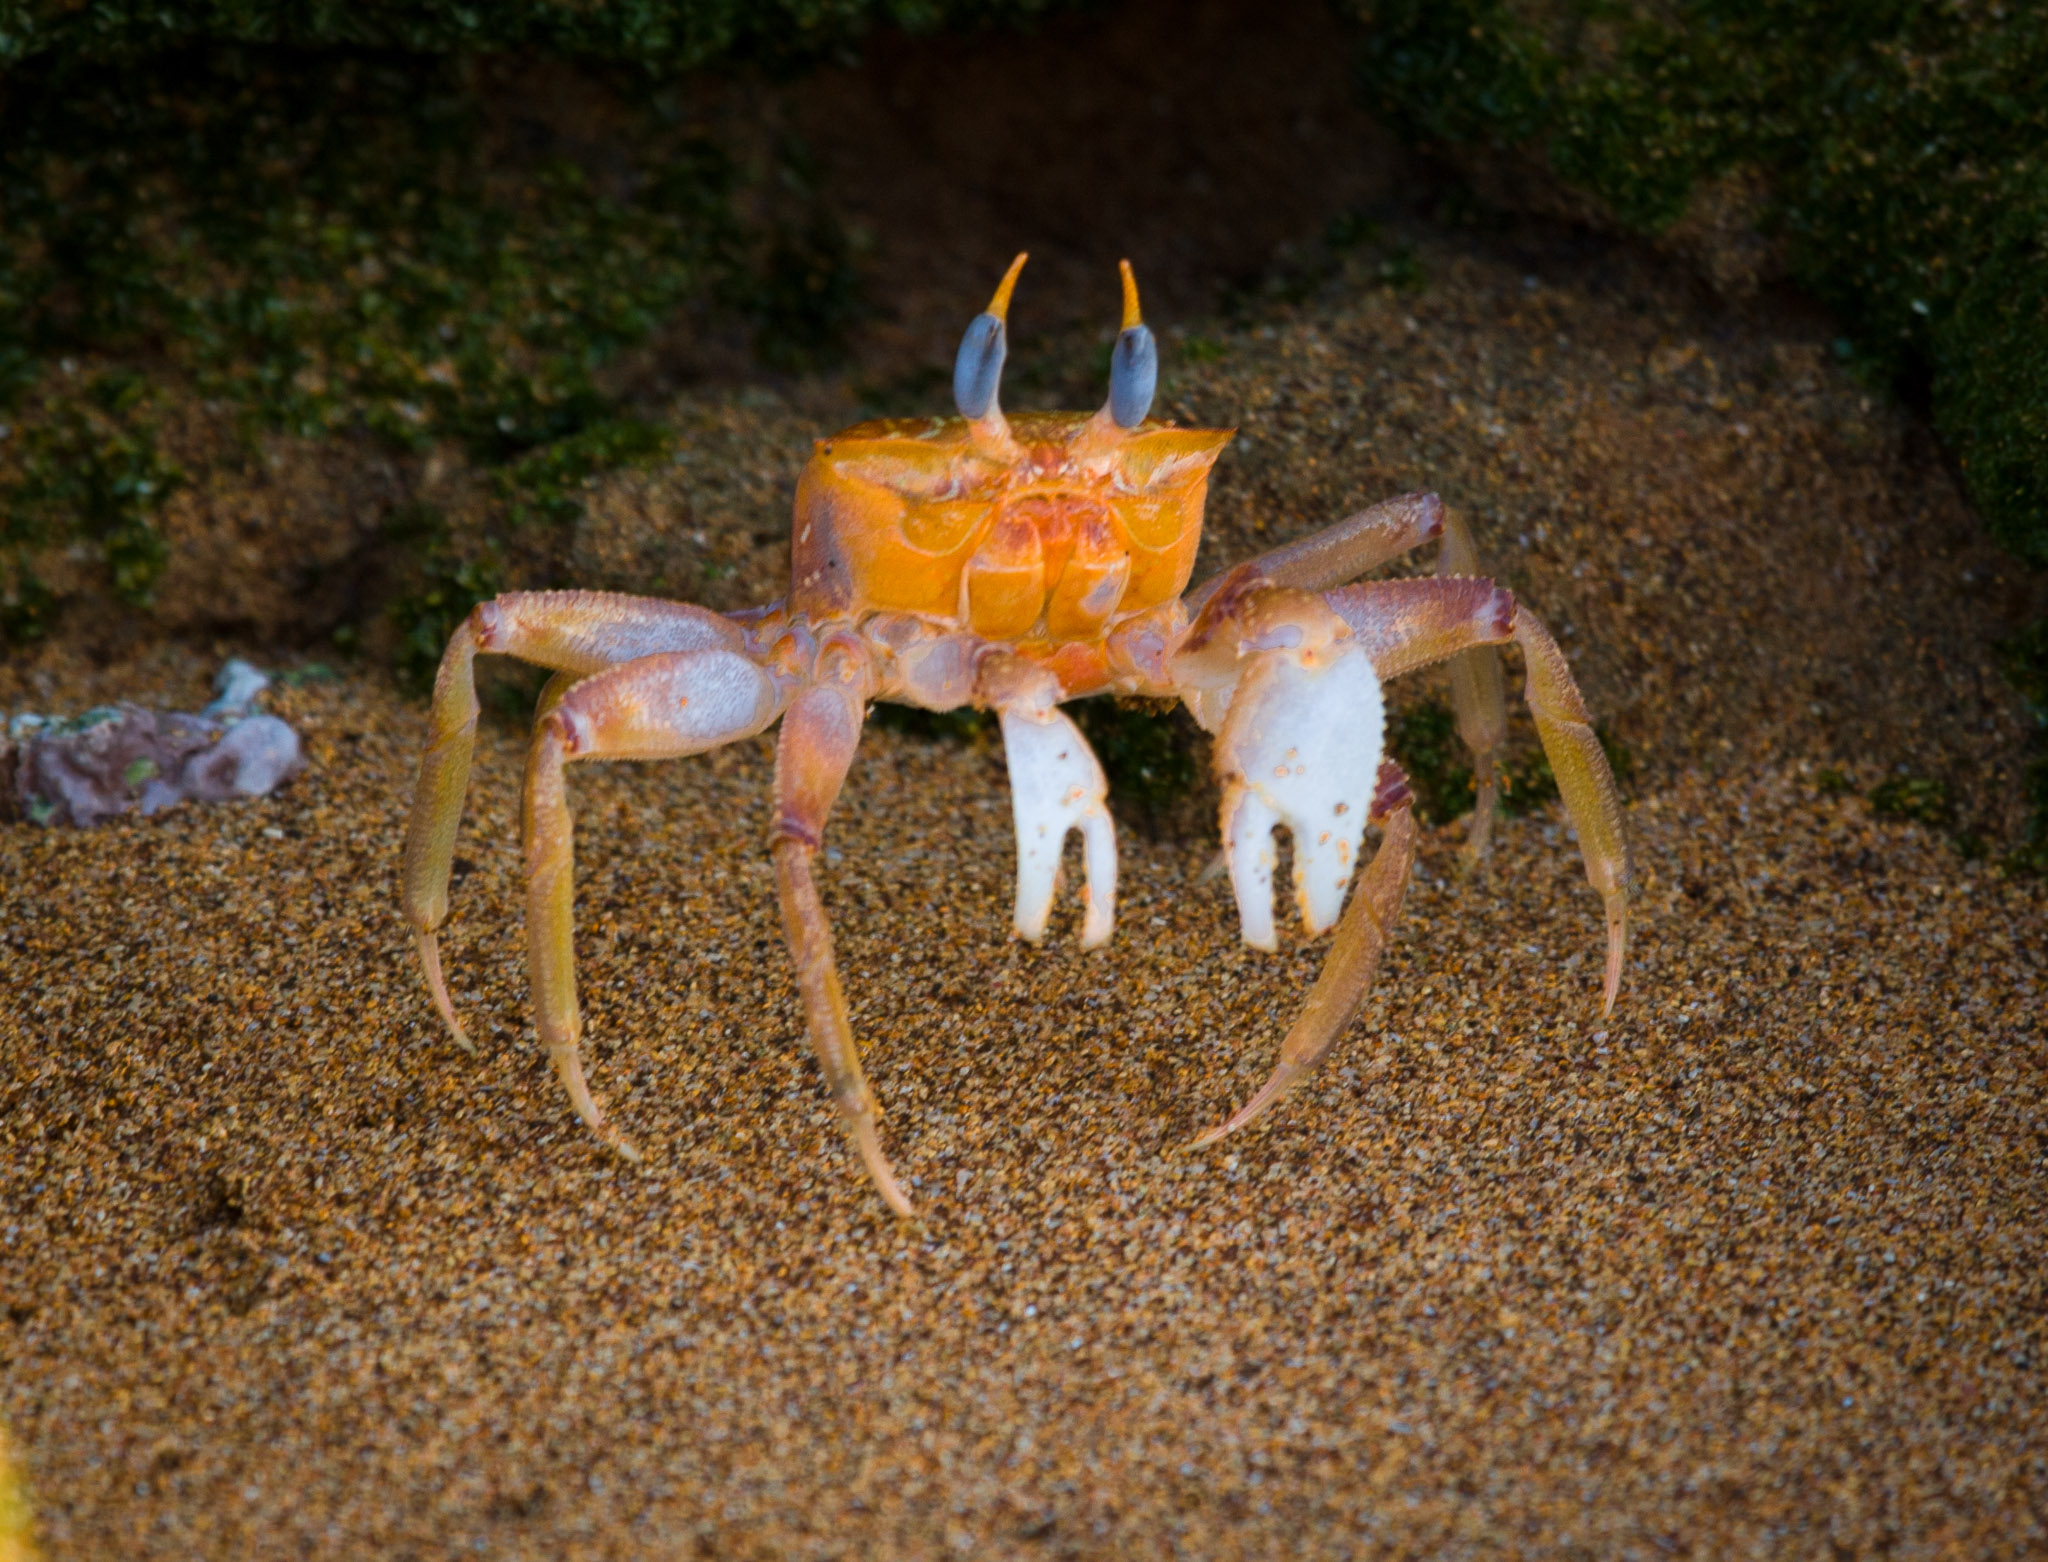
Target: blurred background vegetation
column 1891, row 156
column 320, row 222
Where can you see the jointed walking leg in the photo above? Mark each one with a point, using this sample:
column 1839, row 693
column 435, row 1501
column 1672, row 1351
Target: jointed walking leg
column 574, row 632
column 1406, row 624
column 1584, row 780
column 1341, row 553
column 1477, row 700
column 1362, row 938
column 658, row 707
column 819, row 736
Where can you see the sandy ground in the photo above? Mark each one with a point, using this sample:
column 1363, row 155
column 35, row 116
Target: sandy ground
column 1753, row 1269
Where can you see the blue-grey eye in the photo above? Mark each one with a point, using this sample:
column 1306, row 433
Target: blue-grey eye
column 978, row 371
column 1133, row 376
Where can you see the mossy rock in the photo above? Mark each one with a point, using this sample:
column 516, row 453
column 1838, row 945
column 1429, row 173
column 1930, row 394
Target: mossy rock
column 338, row 249
column 1898, row 148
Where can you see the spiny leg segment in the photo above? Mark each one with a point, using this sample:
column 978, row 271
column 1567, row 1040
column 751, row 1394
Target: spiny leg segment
column 1477, row 700
column 574, row 632
column 1407, row 624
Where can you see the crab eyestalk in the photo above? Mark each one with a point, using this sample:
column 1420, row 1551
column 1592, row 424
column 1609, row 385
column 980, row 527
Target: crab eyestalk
column 978, row 367
column 1133, row 362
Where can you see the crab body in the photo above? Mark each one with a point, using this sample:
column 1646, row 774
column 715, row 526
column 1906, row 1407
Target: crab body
column 1014, row 564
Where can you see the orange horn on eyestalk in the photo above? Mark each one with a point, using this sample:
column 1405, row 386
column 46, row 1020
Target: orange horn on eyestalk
column 978, row 370
column 999, row 305
column 1134, row 363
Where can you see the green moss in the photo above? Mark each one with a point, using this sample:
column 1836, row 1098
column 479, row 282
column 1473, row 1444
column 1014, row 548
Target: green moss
column 1903, row 144
column 336, row 245
column 1400, row 270
column 1424, row 740
column 1918, row 798
column 90, row 472
column 28, row 608
column 446, row 585
column 1991, row 386
column 1527, row 784
column 325, row 244
column 965, row 725
column 547, row 485
column 804, row 297
column 2025, row 660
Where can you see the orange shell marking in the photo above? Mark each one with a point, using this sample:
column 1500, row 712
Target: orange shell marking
column 1067, row 526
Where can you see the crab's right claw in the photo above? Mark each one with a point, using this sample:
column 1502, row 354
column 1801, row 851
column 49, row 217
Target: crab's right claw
column 1056, row 787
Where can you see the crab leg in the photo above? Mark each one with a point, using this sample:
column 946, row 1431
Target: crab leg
column 575, row 632
column 1477, row 700
column 1406, row 624
column 658, row 707
column 1585, row 781
column 1362, row 938
column 1347, row 550
column 1296, row 679
column 811, row 760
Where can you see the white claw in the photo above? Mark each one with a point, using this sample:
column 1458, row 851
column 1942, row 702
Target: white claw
column 1056, row 786
column 1300, row 747
column 1248, row 839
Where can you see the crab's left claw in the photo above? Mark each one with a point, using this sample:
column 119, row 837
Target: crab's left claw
column 1301, row 725
column 1294, row 698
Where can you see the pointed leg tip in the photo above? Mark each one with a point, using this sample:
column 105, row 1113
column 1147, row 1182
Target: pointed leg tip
column 879, row 1170
column 1617, row 949
column 1269, row 1093
column 437, row 985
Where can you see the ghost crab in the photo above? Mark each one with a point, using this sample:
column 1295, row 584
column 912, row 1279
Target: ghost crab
column 1013, row 563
